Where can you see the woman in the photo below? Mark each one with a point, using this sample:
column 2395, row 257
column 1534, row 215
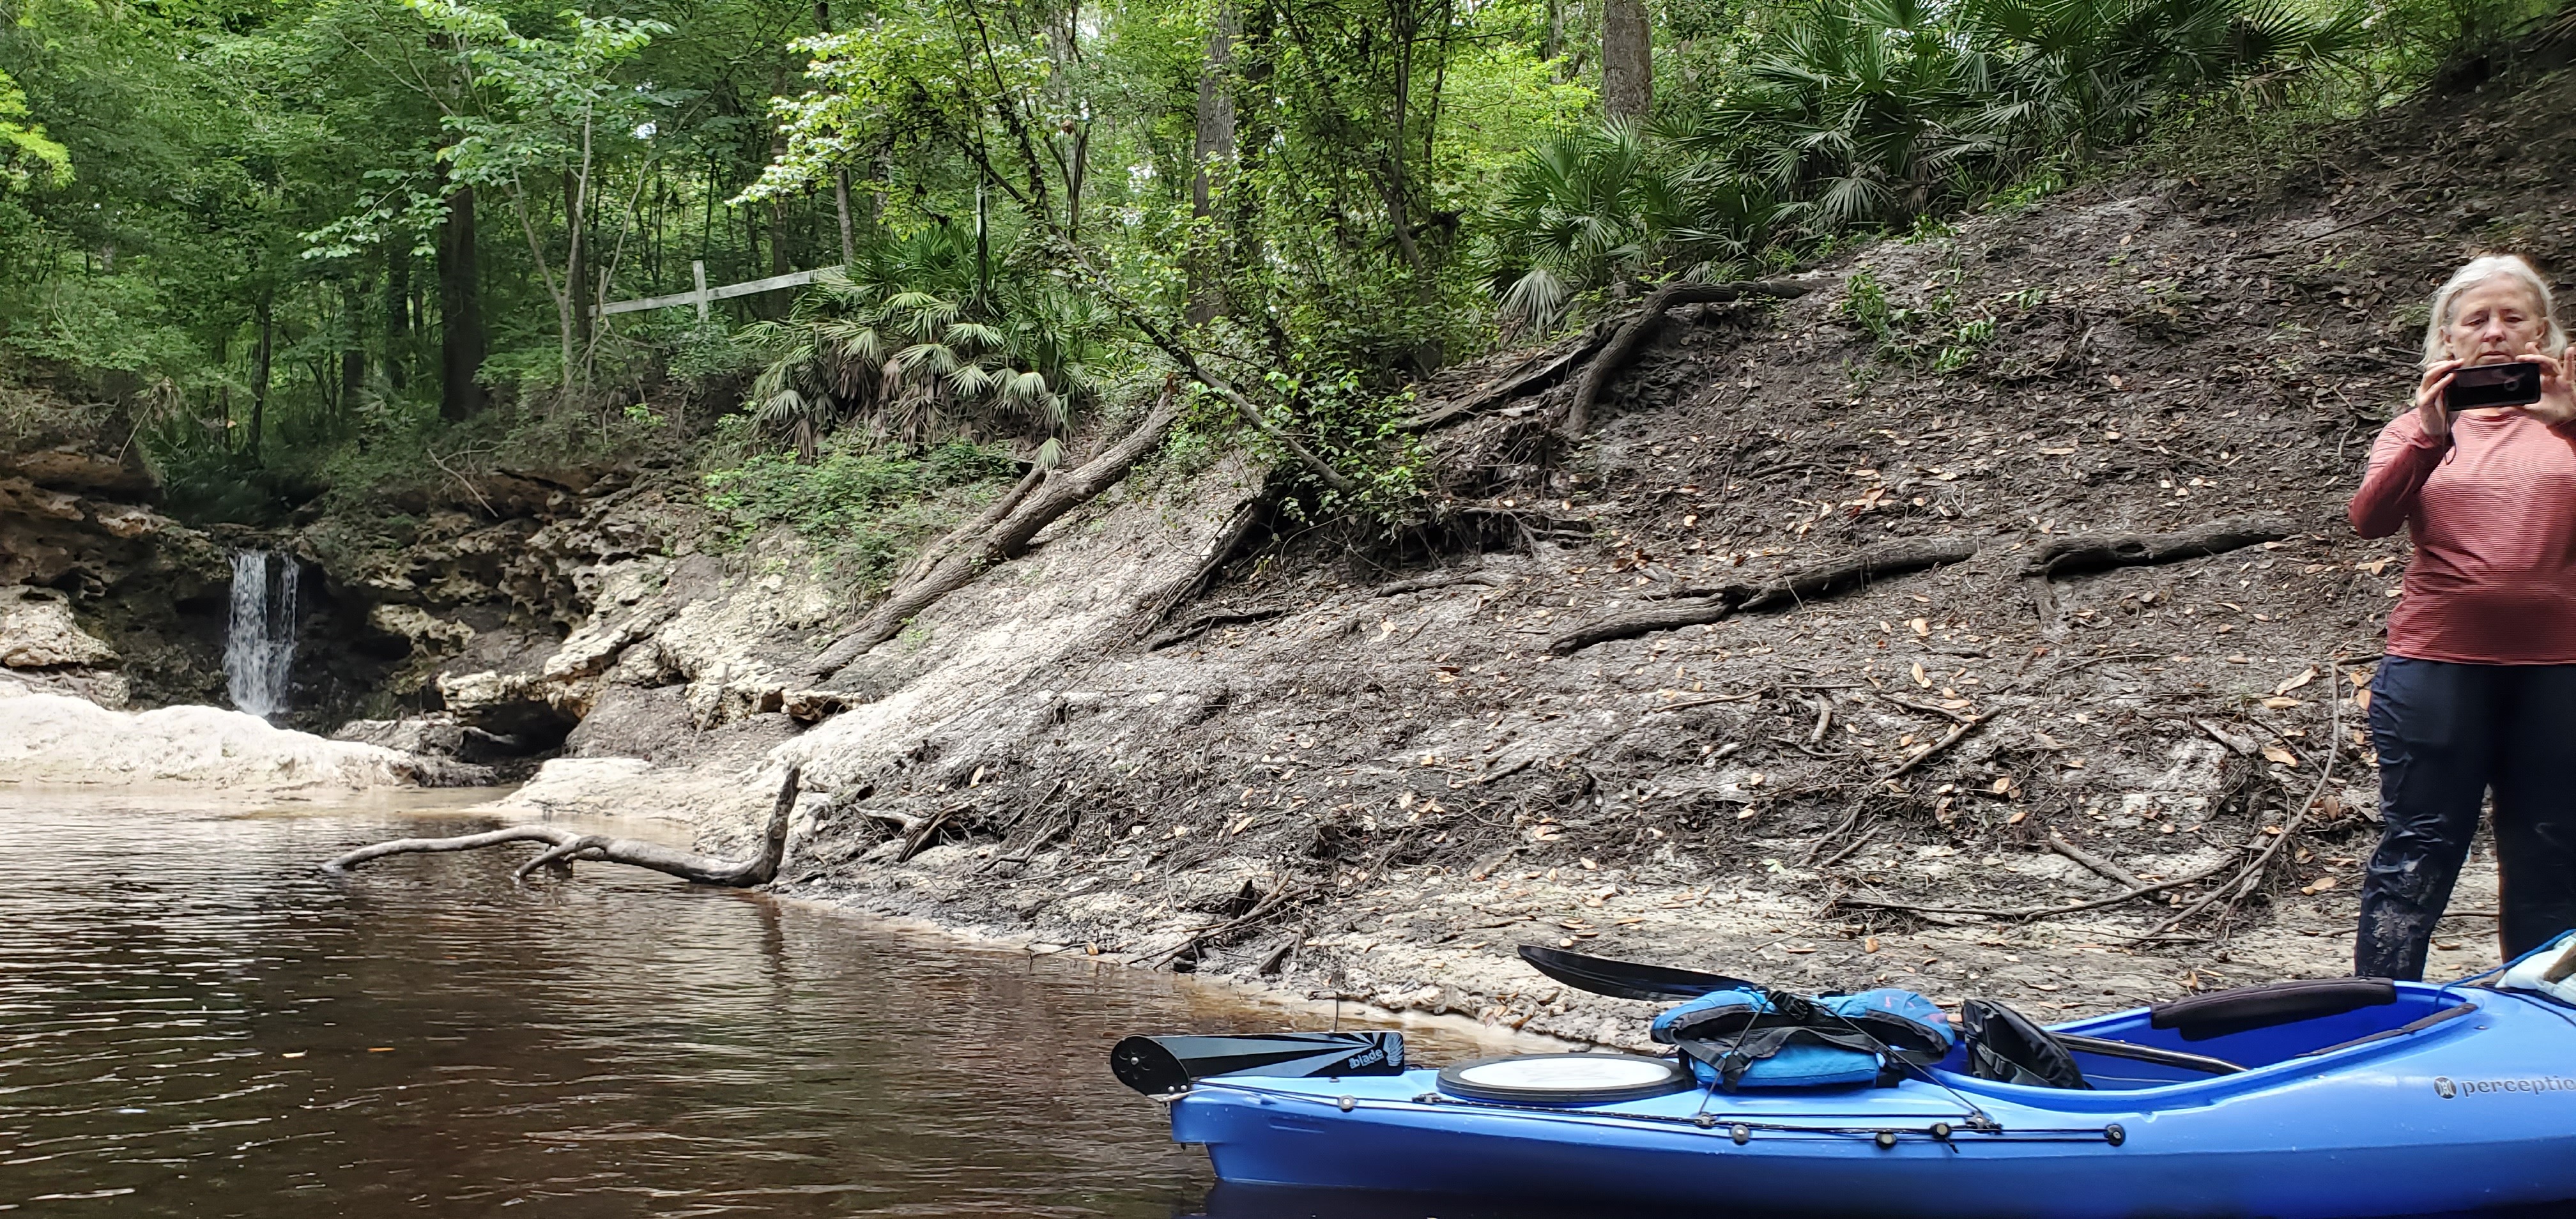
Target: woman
column 2478, row 690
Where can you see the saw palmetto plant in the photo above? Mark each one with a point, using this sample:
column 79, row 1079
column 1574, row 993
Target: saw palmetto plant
column 1855, row 114
column 1593, row 210
column 917, row 342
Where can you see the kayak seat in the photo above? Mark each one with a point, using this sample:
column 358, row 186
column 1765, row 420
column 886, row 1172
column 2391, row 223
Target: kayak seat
column 2005, row 1046
column 2246, row 1008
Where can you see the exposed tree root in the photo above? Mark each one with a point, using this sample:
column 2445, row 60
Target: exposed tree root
column 570, row 845
column 1534, row 374
column 1222, row 550
column 1204, row 623
column 1006, row 539
column 1822, row 580
column 1624, row 346
column 1490, row 579
column 2098, row 552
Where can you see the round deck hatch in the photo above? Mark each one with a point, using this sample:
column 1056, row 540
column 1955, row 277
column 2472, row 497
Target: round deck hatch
column 1564, row 1079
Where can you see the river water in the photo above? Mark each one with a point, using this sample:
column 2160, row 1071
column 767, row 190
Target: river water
column 195, row 1022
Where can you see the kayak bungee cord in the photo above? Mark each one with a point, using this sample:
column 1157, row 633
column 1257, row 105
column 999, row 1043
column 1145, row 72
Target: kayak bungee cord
column 1738, row 1129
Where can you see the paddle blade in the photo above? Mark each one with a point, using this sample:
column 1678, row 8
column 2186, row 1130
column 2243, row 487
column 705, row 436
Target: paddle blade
column 1626, row 980
column 1156, row 1066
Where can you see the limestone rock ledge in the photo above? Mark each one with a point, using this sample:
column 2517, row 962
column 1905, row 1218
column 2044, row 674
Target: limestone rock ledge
column 55, row 738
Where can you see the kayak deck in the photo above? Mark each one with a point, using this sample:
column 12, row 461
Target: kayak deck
column 2345, row 1115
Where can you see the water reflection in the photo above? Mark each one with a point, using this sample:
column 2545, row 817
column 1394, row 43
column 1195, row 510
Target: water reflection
column 193, row 1022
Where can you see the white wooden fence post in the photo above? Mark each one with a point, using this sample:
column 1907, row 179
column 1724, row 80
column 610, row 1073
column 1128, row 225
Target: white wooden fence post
column 698, row 272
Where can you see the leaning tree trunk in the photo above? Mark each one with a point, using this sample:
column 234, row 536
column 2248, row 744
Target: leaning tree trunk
column 566, row 846
column 1007, row 539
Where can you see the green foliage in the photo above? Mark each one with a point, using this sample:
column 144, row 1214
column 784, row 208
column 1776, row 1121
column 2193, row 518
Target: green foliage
column 919, row 341
column 28, row 157
column 1942, row 334
column 1850, row 115
column 1360, row 433
column 1589, row 210
column 255, row 264
column 865, row 510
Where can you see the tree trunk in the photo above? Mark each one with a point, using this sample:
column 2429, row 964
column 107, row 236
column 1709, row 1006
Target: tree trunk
column 353, row 349
column 397, row 314
column 577, row 265
column 1212, row 156
column 460, row 311
column 262, row 358
column 1627, row 59
column 1822, row 580
column 841, row 201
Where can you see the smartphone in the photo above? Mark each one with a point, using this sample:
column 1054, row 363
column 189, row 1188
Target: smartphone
column 2484, row 385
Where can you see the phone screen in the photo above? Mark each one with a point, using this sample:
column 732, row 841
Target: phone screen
column 2484, row 385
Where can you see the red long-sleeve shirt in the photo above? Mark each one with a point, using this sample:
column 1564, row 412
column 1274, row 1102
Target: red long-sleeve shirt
column 2493, row 515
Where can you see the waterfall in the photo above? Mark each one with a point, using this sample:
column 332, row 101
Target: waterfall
column 260, row 647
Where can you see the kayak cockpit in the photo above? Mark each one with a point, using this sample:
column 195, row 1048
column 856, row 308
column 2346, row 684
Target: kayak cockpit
column 2233, row 1032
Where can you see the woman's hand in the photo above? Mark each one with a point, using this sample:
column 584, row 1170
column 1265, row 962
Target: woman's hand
column 2428, row 397
column 2557, row 403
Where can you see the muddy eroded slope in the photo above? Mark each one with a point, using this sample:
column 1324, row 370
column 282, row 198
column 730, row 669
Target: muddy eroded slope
column 2021, row 766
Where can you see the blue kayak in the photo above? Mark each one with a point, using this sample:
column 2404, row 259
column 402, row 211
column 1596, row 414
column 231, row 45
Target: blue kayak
column 2424, row 1098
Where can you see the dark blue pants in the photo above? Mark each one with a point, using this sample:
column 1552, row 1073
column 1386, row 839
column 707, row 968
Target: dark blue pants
column 2447, row 734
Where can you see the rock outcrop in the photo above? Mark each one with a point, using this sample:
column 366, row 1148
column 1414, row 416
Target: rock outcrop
column 57, row 738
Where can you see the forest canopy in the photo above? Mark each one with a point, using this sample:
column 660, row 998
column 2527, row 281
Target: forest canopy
column 312, row 245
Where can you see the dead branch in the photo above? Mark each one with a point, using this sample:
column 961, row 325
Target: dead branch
column 1850, row 849
column 1206, row 622
column 2098, row 552
column 1221, row 550
column 926, row 831
column 992, row 515
column 1427, row 583
column 1926, row 753
column 2037, row 912
column 1530, row 375
column 568, row 845
column 1060, row 493
column 2105, row 868
column 1630, row 340
column 2238, row 886
column 1825, row 579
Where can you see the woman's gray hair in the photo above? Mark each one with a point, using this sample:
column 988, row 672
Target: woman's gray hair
column 2478, row 271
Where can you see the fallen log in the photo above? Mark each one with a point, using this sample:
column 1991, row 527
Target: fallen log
column 1007, row 539
column 568, row 845
column 1823, row 580
column 2100, row 552
column 1629, row 341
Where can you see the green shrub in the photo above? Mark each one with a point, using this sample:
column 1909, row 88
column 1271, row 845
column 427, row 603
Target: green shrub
column 864, row 510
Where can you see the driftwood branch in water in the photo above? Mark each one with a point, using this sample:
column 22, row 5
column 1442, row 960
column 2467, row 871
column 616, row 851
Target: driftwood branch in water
column 567, row 845
column 1630, row 340
column 2098, row 552
column 1822, row 580
column 1006, row 539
